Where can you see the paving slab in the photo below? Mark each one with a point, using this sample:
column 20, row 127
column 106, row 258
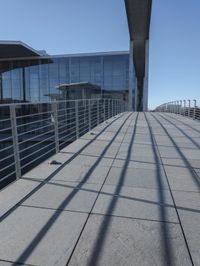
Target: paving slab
column 15, row 192
column 6, row 263
column 191, row 153
column 174, row 162
column 188, row 206
column 64, row 196
column 133, row 202
column 76, row 145
column 123, row 241
column 182, row 178
column 45, row 169
column 83, row 173
column 134, row 164
column 169, row 152
column 98, row 147
column 141, row 178
column 40, row 237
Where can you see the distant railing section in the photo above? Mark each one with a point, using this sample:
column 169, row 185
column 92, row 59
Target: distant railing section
column 31, row 132
column 189, row 108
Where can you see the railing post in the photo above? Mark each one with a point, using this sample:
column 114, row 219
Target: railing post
column 89, row 114
column 177, row 107
column 112, row 107
column 109, row 105
column 184, row 106
column 194, row 113
column 180, row 107
column 170, row 107
column 189, row 108
column 97, row 111
column 15, row 140
column 77, row 119
column 104, row 110
column 55, row 122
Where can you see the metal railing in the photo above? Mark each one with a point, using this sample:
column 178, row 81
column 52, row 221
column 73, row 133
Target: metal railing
column 188, row 108
column 32, row 132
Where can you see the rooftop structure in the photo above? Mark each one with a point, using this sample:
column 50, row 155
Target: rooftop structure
column 16, row 49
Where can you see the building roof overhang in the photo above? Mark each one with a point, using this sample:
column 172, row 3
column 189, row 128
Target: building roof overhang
column 139, row 15
column 15, row 49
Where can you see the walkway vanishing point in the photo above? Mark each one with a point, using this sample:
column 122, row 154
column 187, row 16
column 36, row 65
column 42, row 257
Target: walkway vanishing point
column 127, row 193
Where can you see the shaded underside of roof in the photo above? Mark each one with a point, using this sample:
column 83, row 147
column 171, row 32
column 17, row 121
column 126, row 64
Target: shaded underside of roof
column 138, row 15
column 14, row 49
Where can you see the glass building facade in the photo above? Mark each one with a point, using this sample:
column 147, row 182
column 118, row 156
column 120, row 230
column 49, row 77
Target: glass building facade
column 32, row 79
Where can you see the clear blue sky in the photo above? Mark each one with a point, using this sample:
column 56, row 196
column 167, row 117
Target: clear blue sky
column 75, row 26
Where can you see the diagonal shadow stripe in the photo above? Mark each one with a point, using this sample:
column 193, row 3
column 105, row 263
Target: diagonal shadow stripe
column 99, row 243
column 119, row 196
column 5, row 215
column 164, row 230
column 182, row 131
column 36, row 240
column 185, row 124
column 195, row 178
column 188, row 165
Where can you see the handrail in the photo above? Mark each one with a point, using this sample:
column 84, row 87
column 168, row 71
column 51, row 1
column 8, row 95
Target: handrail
column 38, row 130
column 188, row 108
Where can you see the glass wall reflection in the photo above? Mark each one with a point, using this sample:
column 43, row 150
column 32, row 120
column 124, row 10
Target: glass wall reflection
column 33, row 80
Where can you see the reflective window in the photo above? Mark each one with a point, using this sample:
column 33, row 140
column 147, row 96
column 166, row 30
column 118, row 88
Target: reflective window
column 37, row 80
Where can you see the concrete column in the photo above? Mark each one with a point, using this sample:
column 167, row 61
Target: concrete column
column 131, row 78
column 145, row 88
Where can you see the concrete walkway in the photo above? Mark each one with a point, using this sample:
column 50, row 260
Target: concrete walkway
column 127, row 194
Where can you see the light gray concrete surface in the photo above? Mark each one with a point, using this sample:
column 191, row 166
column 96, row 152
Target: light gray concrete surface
column 129, row 242
column 137, row 177
column 136, row 203
column 127, row 194
column 40, row 236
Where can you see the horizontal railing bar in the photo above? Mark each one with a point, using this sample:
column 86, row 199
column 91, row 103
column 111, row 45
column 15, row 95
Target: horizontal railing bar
column 73, row 137
column 7, row 166
column 5, row 129
column 66, row 113
column 64, row 137
column 72, row 126
column 34, row 129
column 68, row 118
column 7, row 176
column 66, row 125
column 2, row 140
column 68, row 130
column 34, row 114
column 9, row 156
column 25, row 157
column 4, row 120
column 36, row 136
column 29, row 147
column 37, row 158
column 37, row 121
column 6, row 148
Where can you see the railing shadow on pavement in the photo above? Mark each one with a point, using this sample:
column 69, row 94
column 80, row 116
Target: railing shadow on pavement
column 185, row 160
column 102, row 232
column 36, row 240
column 182, row 131
column 185, row 124
column 164, row 231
